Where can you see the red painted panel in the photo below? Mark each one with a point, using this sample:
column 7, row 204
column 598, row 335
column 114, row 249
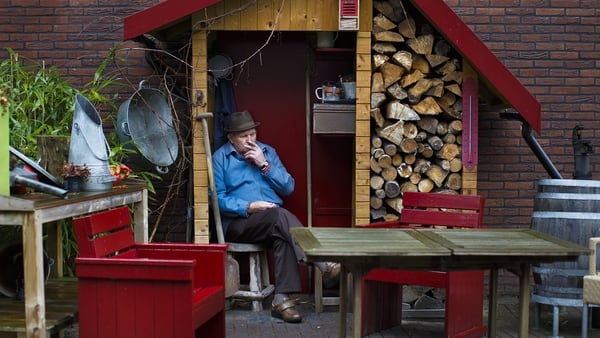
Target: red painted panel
column 161, row 15
column 484, row 61
column 272, row 86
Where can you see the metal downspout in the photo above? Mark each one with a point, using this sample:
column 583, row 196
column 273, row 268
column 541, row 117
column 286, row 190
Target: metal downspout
column 533, row 144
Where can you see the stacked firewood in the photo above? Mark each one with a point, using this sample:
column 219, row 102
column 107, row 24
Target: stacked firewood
column 416, row 111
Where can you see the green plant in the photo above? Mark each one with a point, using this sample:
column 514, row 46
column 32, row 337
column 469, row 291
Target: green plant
column 41, row 102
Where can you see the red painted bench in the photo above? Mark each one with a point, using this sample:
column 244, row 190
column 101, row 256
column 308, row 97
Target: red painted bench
column 129, row 289
column 382, row 288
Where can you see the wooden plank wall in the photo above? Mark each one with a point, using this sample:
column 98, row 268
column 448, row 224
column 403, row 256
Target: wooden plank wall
column 286, row 15
column 200, row 177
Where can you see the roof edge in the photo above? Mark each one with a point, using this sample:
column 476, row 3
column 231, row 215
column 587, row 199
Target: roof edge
column 161, row 15
column 483, row 60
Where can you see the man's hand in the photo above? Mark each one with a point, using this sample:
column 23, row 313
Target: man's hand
column 254, row 153
column 258, row 206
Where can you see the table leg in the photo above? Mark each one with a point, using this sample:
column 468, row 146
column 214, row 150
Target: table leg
column 357, row 276
column 33, row 262
column 342, row 304
column 140, row 219
column 524, row 300
column 493, row 303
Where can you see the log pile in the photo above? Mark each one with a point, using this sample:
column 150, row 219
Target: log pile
column 416, row 111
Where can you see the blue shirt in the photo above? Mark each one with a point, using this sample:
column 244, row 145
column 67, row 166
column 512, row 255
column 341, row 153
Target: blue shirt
column 239, row 182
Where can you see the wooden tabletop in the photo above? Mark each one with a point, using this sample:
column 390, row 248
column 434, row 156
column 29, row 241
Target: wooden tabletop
column 39, row 200
column 446, row 249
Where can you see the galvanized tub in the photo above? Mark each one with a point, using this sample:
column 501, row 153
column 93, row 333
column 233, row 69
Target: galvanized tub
column 145, row 121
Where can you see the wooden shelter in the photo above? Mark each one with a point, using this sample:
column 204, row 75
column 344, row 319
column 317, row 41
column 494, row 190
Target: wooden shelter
column 278, row 63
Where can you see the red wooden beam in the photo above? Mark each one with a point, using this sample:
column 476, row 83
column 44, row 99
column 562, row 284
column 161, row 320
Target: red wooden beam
column 483, row 60
column 161, row 15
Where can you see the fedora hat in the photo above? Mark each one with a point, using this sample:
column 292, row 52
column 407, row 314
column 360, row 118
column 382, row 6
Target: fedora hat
column 240, row 121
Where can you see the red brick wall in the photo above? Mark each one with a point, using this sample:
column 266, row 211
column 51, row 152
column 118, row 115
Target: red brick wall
column 74, row 35
column 553, row 47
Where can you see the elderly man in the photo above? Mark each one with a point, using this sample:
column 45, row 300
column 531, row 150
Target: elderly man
column 250, row 180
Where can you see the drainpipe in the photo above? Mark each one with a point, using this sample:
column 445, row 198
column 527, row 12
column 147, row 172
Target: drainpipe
column 533, row 144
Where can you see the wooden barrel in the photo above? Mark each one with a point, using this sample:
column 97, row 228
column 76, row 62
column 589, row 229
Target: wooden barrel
column 570, row 210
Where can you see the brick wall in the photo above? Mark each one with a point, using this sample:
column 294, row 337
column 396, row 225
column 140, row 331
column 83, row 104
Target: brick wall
column 74, row 35
column 553, row 47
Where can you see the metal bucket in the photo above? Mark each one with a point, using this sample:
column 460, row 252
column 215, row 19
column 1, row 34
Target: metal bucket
column 145, row 121
column 89, row 146
column 570, row 210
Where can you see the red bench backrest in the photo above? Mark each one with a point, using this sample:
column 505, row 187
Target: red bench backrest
column 430, row 209
column 104, row 234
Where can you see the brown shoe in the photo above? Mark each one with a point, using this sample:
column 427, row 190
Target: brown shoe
column 286, row 311
column 331, row 275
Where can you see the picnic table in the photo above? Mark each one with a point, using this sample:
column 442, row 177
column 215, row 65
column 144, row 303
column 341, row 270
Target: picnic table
column 32, row 211
column 361, row 250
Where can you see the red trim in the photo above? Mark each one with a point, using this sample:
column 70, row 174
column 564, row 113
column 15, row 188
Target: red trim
column 161, row 15
column 483, row 60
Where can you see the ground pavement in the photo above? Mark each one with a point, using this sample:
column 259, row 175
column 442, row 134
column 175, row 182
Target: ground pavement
column 243, row 323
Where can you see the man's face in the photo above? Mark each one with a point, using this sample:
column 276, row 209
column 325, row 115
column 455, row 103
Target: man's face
column 242, row 140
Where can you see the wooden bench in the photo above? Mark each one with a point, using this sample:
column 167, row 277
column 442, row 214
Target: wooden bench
column 61, row 310
column 382, row 288
column 129, row 289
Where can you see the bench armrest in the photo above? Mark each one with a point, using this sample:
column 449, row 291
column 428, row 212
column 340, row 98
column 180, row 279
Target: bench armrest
column 135, row 268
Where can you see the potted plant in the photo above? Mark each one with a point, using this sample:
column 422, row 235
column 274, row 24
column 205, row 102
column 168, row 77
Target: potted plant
column 74, row 175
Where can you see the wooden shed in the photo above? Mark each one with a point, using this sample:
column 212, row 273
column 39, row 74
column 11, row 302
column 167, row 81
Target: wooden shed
column 279, row 59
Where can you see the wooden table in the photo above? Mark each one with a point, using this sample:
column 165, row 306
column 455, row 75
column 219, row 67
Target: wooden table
column 361, row 250
column 31, row 211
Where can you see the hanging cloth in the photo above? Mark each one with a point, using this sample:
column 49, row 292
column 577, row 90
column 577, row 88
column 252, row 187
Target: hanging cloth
column 224, row 106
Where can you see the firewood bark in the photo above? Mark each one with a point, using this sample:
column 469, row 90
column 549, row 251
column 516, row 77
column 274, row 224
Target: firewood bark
column 449, row 151
column 425, row 185
column 395, row 204
column 396, row 91
column 389, row 173
column 384, row 48
column 427, row 106
column 377, row 99
column 404, row 170
column 385, row 161
column 421, row 44
column 407, row 27
column 382, row 23
column 410, row 130
column 456, row 165
column 393, row 132
column 392, row 189
column 374, row 165
column 397, row 159
column 391, row 73
column 416, row 110
column 397, row 110
column 377, row 117
column 388, row 36
column 376, row 202
column 379, row 60
column 436, row 174
column 390, row 148
column 454, row 181
column 376, row 182
column 404, row 59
